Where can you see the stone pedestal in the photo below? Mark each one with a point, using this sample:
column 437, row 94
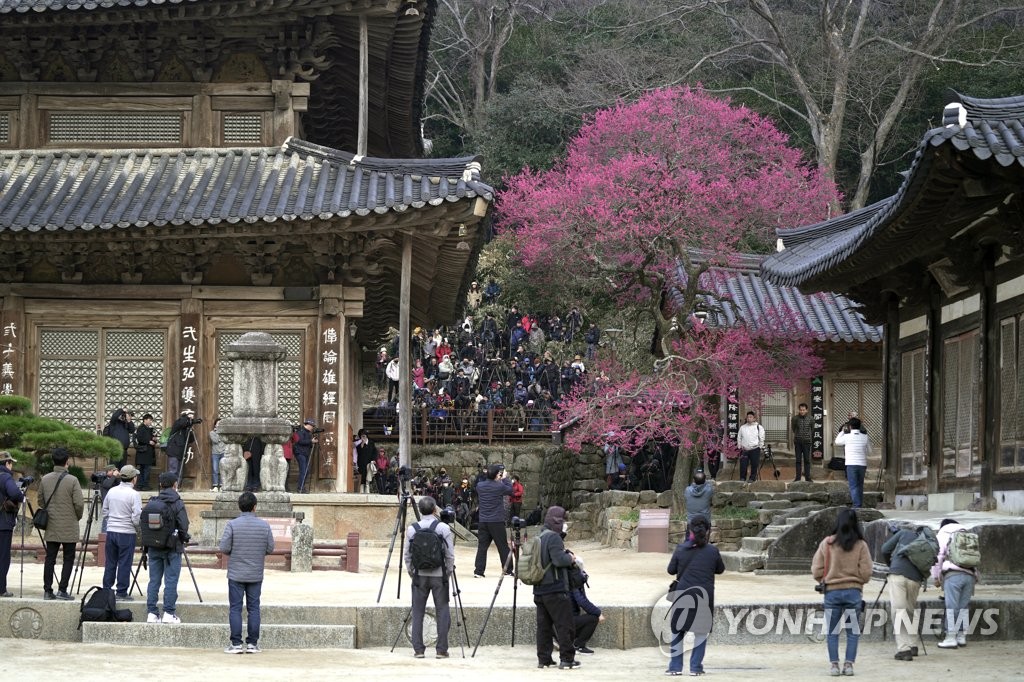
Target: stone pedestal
column 302, row 548
column 269, row 505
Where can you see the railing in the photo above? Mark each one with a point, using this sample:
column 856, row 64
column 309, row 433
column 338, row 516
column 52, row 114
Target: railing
column 442, row 427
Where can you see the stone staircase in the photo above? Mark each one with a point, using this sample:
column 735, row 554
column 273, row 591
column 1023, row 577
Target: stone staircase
column 205, row 625
column 780, row 512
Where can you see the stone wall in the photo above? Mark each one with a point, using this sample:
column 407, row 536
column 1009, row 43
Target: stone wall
column 545, row 470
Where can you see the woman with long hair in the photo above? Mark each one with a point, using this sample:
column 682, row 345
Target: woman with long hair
column 842, row 566
column 695, row 563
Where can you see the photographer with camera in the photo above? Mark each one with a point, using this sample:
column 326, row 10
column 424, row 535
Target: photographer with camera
column 491, row 493
column 178, row 440
column 430, row 561
column 11, row 497
column 61, row 496
column 122, row 509
column 165, row 556
column 145, row 450
column 302, row 448
column 120, row 428
column 551, row 595
column 364, row 451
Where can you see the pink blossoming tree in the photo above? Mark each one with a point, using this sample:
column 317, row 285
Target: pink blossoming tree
column 652, row 199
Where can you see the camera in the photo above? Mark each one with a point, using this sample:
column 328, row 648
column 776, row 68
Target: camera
column 518, row 522
column 25, row 481
column 197, row 420
column 98, row 477
column 448, row 515
column 404, row 473
column 316, row 430
column 820, row 588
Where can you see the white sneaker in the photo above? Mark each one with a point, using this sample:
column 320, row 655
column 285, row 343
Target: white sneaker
column 948, row 643
column 235, row 649
column 153, row 618
column 961, row 639
column 171, row 618
column 253, row 649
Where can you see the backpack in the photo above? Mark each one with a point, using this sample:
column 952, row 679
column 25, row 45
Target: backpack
column 922, row 551
column 99, row 605
column 577, row 578
column 964, row 549
column 158, row 525
column 426, row 549
column 106, row 431
column 531, row 569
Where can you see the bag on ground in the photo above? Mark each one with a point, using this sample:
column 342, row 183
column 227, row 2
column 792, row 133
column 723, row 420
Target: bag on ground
column 158, row 525
column 965, row 549
column 922, row 551
column 426, row 549
column 99, row 605
column 531, row 570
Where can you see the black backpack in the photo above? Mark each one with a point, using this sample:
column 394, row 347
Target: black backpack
column 99, row 605
column 158, row 525
column 426, row 549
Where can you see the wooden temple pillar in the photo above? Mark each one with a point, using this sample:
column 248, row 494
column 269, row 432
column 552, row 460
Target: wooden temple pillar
column 891, row 399
column 190, row 390
column 990, row 408
column 404, row 362
column 337, row 382
column 933, row 386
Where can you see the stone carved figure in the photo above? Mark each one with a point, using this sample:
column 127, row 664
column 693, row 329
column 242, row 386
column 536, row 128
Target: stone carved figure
column 233, row 469
column 273, row 467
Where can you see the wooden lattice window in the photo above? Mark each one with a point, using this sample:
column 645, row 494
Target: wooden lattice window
column 865, row 397
column 5, row 127
column 913, row 459
column 120, row 128
column 1011, row 395
column 242, row 129
column 960, row 404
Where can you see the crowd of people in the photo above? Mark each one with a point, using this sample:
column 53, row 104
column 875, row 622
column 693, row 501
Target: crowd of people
column 487, row 365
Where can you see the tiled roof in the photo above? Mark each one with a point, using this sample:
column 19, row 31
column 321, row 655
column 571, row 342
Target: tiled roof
column 87, row 189
column 992, row 130
column 743, row 295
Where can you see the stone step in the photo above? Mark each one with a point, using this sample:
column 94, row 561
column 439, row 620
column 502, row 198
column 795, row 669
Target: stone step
column 774, row 530
column 742, row 561
column 756, row 543
column 206, row 635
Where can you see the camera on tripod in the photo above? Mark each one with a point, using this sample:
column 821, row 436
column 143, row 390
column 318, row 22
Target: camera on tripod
column 448, row 515
column 316, row 430
column 98, row 477
column 518, row 522
column 25, row 481
column 197, row 420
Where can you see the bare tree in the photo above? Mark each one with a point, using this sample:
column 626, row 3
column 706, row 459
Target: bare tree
column 860, row 57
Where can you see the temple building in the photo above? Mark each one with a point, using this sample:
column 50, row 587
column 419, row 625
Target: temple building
column 174, row 174
column 940, row 264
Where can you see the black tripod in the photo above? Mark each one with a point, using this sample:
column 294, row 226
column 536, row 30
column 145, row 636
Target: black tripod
column 27, row 512
column 769, row 457
column 187, row 454
column 401, row 514
column 460, row 615
column 511, row 567
column 892, row 613
column 94, row 511
column 143, row 563
column 314, row 455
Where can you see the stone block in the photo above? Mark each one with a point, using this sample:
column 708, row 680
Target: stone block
column 742, row 561
column 648, row 497
column 741, row 499
column 665, row 499
column 776, row 504
column 207, row 635
column 620, row 498
column 768, row 486
column 756, row 544
column 302, row 548
column 730, row 486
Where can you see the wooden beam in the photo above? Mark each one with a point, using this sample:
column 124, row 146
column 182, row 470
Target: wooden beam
column 933, row 387
column 891, row 405
column 405, row 366
column 364, row 85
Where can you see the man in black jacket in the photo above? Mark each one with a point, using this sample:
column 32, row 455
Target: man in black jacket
column 490, row 492
column 145, row 450
column 120, row 428
column 551, row 595
column 165, row 563
column 178, row 440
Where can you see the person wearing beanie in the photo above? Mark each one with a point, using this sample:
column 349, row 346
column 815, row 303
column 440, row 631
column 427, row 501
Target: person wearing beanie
column 551, row 595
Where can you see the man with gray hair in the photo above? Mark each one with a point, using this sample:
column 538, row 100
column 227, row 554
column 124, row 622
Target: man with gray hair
column 122, row 509
column 430, row 560
column 247, row 540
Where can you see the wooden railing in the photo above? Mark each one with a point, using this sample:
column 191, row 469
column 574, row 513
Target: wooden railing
column 452, row 426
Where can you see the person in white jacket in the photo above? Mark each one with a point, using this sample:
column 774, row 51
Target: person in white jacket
column 750, row 441
column 855, row 441
column 957, row 584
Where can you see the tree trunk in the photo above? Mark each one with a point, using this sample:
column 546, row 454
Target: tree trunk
column 687, row 462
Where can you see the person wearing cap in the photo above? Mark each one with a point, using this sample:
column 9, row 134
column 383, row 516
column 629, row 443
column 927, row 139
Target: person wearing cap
column 178, row 440
column 11, row 498
column 165, row 563
column 122, row 510
column 491, row 493
column 61, row 494
column 301, row 449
